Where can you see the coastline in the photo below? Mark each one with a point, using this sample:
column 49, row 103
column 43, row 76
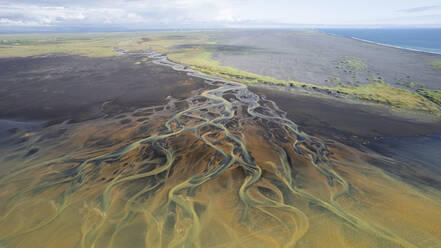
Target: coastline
column 392, row 46
column 381, row 44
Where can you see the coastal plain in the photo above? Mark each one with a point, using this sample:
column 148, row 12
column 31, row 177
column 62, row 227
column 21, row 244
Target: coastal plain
column 217, row 139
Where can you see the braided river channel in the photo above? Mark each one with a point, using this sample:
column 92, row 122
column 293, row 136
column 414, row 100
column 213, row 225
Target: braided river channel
column 224, row 167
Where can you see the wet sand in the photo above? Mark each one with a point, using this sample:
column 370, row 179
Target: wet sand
column 411, row 141
column 416, row 160
column 213, row 165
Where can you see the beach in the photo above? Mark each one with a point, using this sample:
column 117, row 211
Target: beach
column 324, row 59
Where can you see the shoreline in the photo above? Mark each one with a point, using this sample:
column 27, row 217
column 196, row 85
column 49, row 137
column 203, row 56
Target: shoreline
column 381, row 44
column 393, row 46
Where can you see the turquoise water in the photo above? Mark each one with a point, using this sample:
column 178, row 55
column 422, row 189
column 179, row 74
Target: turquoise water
column 427, row 40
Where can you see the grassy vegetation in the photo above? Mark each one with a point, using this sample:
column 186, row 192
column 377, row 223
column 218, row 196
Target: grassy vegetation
column 381, row 92
column 436, row 64
column 195, row 50
column 202, row 61
column 432, row 95
column 411, row 85
column 355, row 64
column 92, row 45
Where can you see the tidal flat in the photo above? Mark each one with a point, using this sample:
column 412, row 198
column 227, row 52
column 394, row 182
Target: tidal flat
column 135, row 150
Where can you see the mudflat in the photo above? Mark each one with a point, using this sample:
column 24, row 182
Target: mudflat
column 345, row 120
column 61, row 87
column 410, row 142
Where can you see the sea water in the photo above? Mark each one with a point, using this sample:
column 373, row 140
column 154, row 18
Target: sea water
column 420, row 39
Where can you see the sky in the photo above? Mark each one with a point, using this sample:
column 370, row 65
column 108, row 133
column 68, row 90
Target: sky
column 148, row 14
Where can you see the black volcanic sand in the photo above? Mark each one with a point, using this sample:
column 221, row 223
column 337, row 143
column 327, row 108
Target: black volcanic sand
column 419, row 158
column 344, row 120
column 65, row 87
column 318, row 58
column 412, row 144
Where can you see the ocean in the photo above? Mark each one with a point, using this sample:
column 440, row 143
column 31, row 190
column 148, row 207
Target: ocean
column 427, row 40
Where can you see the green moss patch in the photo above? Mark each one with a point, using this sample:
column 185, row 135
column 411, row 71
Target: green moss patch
column 381, row 92
column 436, row 64
column 355, row 64
column 432, row 95
column 91, row 45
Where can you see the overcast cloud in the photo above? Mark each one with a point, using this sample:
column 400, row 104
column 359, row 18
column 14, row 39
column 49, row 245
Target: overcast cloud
column 422, row 9
column 181, row 13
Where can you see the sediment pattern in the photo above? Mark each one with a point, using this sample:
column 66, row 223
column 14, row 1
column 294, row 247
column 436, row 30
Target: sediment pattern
column 223, row 168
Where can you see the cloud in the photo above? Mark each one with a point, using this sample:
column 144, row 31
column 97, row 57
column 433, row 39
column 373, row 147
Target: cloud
column 117, row 12
column 145, row 14
column 421, row 9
